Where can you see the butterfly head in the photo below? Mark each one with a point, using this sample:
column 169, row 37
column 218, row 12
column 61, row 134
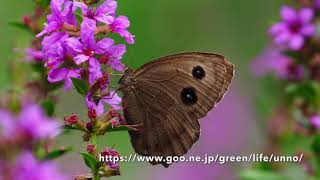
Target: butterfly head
column 127, row 80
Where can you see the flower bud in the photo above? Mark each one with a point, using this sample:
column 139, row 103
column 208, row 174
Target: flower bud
column 89, row 126
column 71, row 120
column 91, row 148
column 92, row 113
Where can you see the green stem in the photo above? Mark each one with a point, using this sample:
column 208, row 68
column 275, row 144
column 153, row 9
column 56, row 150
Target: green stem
column 96, row 176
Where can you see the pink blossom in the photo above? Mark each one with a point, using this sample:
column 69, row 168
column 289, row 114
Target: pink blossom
column 296, row 25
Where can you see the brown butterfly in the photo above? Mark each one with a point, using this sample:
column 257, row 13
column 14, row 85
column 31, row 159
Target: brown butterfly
column 168, row 96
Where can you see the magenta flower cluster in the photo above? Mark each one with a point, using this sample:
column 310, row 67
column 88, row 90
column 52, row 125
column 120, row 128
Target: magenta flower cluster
column 293, row 54
column 30, row 126
column 291, row 34
column 72, row 49
column 295, row 27
column 28, row 167
column 31, row 122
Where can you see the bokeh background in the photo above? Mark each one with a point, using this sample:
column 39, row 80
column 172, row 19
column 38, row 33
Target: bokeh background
column 236, row 29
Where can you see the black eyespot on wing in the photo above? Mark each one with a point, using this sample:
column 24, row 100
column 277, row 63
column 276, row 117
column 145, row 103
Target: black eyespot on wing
column 189, row 96
column 198, row 72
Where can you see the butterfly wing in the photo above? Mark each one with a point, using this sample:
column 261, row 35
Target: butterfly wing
column 169, row 96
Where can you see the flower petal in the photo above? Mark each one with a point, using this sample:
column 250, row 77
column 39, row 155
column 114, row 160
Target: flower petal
column 88, row 27
column 109, row 7
column 7, row 125
column 80, row 5
column 128, row 36
column 282, row 38
column 94, row 70
column 113, row 100
column 75, row 44
column 288, row 13
column 308, row 30
column 118, row 51
column 81, row 58
column 104, row 45
column 315, row 121
column 296, row 42
column 306, row 14
column 56, row 75
column 107, row 19
column 121, row 22
column 277, row 28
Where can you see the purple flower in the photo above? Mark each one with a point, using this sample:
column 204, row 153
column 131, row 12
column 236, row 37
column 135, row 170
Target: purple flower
column 57, row 53
column 28, row 167
column 105, row 13
column 113, row 56
column 7, row 126
column 294, row 28
column 272, row 60
column 53, row 46
column 87, row 48
column 31, row 120
column 109, row 152
column 113, row 100
column 315, row 121
column 34, row 55
column 120, row 26
column 62, row 12
column 64, row 74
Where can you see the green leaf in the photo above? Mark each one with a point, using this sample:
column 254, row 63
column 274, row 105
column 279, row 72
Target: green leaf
column 294, row 55
column 79, row 16
column 81, row 86
column 21, row 26
column 91, row 162
column 261, row 175
column 308, row 90
column 316, row 144
column 49, row 106
column 39, row 67
column 57, row 153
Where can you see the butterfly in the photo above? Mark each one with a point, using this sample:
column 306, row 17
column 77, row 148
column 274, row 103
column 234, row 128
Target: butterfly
column 168, row 96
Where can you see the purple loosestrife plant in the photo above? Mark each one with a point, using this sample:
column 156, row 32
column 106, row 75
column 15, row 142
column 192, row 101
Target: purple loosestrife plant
column 75, row 49
column 294, row 59
column 21, row 134
column 28, row 167
column 31, row 121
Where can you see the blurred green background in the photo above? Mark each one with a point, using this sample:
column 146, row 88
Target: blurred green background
column 234, row 28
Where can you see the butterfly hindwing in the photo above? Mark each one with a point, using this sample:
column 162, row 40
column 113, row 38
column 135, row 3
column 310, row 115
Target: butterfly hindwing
column 168, row 97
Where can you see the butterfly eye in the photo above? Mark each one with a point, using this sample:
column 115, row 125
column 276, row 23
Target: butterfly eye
column 189, row 96
column 198, row 72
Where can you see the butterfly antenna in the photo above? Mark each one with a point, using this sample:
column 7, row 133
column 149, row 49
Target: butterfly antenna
column 116, row 59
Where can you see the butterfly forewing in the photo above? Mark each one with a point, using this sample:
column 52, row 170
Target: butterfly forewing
column 169, row 96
